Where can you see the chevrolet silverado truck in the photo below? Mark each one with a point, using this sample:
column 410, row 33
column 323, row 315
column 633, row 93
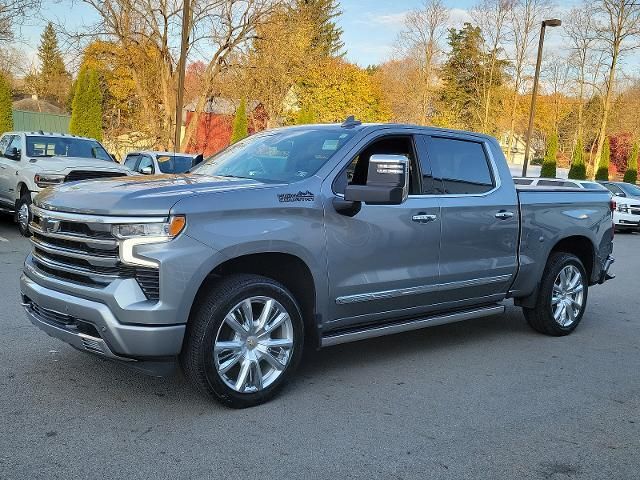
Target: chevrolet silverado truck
column 31, row 161
column 306, row 237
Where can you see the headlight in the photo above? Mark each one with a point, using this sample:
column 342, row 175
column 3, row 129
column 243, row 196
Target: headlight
column 623, row 208
column 133, row 234
column 47, row 180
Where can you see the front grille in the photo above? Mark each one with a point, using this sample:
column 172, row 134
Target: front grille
column 84, row 252
column 634, row 211
column 78, row 175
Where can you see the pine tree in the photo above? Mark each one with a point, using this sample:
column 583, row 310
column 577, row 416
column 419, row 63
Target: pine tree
column 86, row 115
column 6, row 112
column 322, row 15
column 578, row 168
column 463, row 75
column 631, row 175
column 603, row 165
column 240, row 123
column 53, row 81
column 549, row 163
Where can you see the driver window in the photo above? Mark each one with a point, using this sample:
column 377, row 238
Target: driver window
column 356, row 172
column 4, row 143
column 146, row 162
column 15, row 143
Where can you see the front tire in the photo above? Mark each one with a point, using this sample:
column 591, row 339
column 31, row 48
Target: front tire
column 23, row 214
column 244, row 340
column 562, row 298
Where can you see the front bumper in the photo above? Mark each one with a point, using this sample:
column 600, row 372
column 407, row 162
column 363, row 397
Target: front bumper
column 626, row 221
column 91, row 327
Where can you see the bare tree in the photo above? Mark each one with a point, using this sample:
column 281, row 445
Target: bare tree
column 492, row 16
column 150, row 30
column 580, row 30
column 14, row 12
column 524, row 22
column 421, row 41
column 619, row 31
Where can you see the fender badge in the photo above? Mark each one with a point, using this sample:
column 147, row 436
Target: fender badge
column 296, row 197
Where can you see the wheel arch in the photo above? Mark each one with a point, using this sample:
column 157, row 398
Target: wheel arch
column 579, row 245
column 288, row 269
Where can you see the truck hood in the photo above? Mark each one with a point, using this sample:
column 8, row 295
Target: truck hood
column 66, row 164
column 135, row 195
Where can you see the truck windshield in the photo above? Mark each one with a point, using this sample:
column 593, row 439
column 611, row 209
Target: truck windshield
column 283, row 156
column 43, row 146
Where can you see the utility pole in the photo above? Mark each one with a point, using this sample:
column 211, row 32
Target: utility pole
column 554, row 22
column 182, row 64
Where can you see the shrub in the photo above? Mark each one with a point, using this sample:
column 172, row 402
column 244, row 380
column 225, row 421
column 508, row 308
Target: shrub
column 549, row 162
column 603, row 166
column 240, row 123
column 631, row 175
column 578, row 168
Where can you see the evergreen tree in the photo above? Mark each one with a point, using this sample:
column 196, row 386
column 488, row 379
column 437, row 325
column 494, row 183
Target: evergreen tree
column 53, row 82
column 549, row 163
column 631, row 175
column 86, row 115
column 6, row 112
column 327, row 35
column 240, row 123
column 578, row 168
column 603, row 166
column 464, row 75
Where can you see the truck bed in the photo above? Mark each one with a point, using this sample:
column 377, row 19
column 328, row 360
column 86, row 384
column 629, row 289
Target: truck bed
column 548, row 214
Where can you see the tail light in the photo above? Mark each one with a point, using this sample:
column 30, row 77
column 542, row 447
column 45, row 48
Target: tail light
column 612, row 205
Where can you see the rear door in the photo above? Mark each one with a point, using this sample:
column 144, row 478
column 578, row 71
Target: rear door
column 478, row 254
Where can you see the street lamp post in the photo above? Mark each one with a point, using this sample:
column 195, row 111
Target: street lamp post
column 554, row 22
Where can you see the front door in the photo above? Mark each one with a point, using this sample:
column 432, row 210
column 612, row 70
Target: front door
column 478, row 257
column 382, row 260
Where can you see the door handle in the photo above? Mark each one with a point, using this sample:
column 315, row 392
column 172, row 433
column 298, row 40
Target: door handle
column 424, row 218
column 504, row 215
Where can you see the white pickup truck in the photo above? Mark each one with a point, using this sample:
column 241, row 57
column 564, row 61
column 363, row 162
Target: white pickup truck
column 31, row 161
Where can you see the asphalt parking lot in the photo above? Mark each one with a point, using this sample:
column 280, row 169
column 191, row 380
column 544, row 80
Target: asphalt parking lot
column 484, row 399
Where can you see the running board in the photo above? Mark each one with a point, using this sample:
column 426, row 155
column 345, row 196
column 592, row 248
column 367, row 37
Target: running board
column 389, row 329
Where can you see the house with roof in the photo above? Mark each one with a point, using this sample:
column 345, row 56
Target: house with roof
column 215, row 124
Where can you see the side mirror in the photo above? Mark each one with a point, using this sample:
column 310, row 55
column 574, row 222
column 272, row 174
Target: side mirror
column 387, row 182
column 13, row 154
column 146, row 170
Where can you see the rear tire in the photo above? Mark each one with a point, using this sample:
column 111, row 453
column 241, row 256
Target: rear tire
column 562, row 297
column 23, row 214
column 236, row 353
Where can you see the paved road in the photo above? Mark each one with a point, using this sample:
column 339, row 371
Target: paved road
column 485, row 399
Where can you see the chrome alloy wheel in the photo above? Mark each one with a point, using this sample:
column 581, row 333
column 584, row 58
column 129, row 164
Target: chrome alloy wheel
column 568, row 295
column 253, row 345
column 23, row 216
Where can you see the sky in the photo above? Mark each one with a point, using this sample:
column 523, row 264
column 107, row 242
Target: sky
column 370, row 26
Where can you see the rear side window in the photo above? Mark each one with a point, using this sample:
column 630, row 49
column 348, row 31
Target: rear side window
column 522, row 181
column 556, row 183
column 461, row 165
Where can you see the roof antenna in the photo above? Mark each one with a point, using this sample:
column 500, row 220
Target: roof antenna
column 351, row 122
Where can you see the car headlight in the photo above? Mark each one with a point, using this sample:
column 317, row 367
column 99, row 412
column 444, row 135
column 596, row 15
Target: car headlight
column 48, row 179
column 623, row 208
column 133, row 234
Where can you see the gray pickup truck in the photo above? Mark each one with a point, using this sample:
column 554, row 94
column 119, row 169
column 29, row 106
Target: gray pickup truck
column 306, row 236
